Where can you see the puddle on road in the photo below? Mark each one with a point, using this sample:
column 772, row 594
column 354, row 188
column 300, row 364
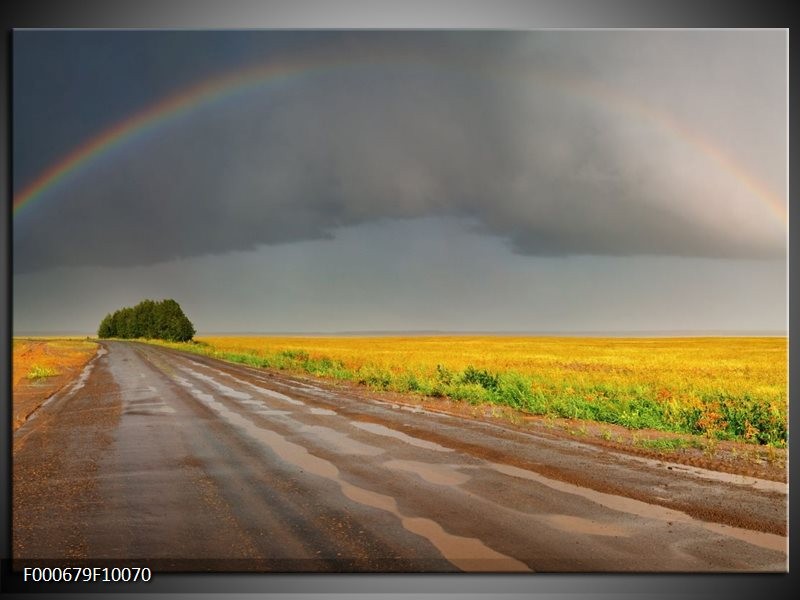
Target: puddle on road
column 465, row 553
column 430, row 472
column 146, row 402
column 297, row 385
column 573, row 524
column 260, row 390
column 273, row 394
column 333, row 439
column 147, row 407
column 342, row 442
column 267, row 412
column 132, row 395
column 307, row 388
column 256, row 404
column 228, row 391
column 82, row 379
column 184, row 382
column 388, row 432
column 288, row 451
column 164, row 410
column 304, row 387
column 752, row 482
column 769, row 541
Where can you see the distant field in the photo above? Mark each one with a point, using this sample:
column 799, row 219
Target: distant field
column 727, row 388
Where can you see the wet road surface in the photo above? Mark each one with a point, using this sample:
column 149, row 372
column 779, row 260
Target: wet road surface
column 182, row 462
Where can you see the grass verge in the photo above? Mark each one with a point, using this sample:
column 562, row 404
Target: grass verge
column 712, row 412
column 39, row 372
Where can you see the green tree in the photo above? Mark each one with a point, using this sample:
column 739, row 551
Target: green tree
column 173, row 324
column 127, row 325
column 148, row 319
column 106, row 329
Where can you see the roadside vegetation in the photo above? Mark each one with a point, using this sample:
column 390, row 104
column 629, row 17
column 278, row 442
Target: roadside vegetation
column 722, row 388
column 40, row 366
column 38, row 372
column 39, row 358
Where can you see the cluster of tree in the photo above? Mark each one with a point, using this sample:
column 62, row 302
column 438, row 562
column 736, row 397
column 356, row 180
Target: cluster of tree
column 162, row 320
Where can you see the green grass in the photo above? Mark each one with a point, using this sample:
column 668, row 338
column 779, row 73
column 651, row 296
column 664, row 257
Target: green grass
column 670, row 444
column 39, row 372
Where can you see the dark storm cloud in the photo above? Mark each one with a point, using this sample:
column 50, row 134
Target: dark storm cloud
column 441, row 124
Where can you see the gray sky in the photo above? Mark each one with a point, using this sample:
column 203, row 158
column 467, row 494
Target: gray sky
column 516, row 181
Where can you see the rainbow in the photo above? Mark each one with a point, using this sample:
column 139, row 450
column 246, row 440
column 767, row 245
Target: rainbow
column 219, row 87
column 673, row 127
column 153, row 116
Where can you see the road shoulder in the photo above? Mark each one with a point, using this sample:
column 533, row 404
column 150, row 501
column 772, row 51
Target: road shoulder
column 66, row 359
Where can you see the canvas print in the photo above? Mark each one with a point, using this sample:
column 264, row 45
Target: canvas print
column 399, row 301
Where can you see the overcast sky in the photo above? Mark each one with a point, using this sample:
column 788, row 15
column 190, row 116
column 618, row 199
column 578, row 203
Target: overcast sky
column 456, row 181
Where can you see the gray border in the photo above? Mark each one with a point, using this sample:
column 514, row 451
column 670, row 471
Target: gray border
column 425, row 14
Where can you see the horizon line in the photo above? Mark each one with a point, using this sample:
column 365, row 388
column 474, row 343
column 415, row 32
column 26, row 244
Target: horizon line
column 459, row 332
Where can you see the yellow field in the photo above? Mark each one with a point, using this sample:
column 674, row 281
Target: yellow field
column 737, row 365
column 733, row 388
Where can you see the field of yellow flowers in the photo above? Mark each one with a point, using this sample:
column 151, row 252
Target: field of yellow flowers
column 728, row 388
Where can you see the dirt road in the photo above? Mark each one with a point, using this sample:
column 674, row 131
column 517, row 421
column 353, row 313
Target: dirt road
column 183, row 462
